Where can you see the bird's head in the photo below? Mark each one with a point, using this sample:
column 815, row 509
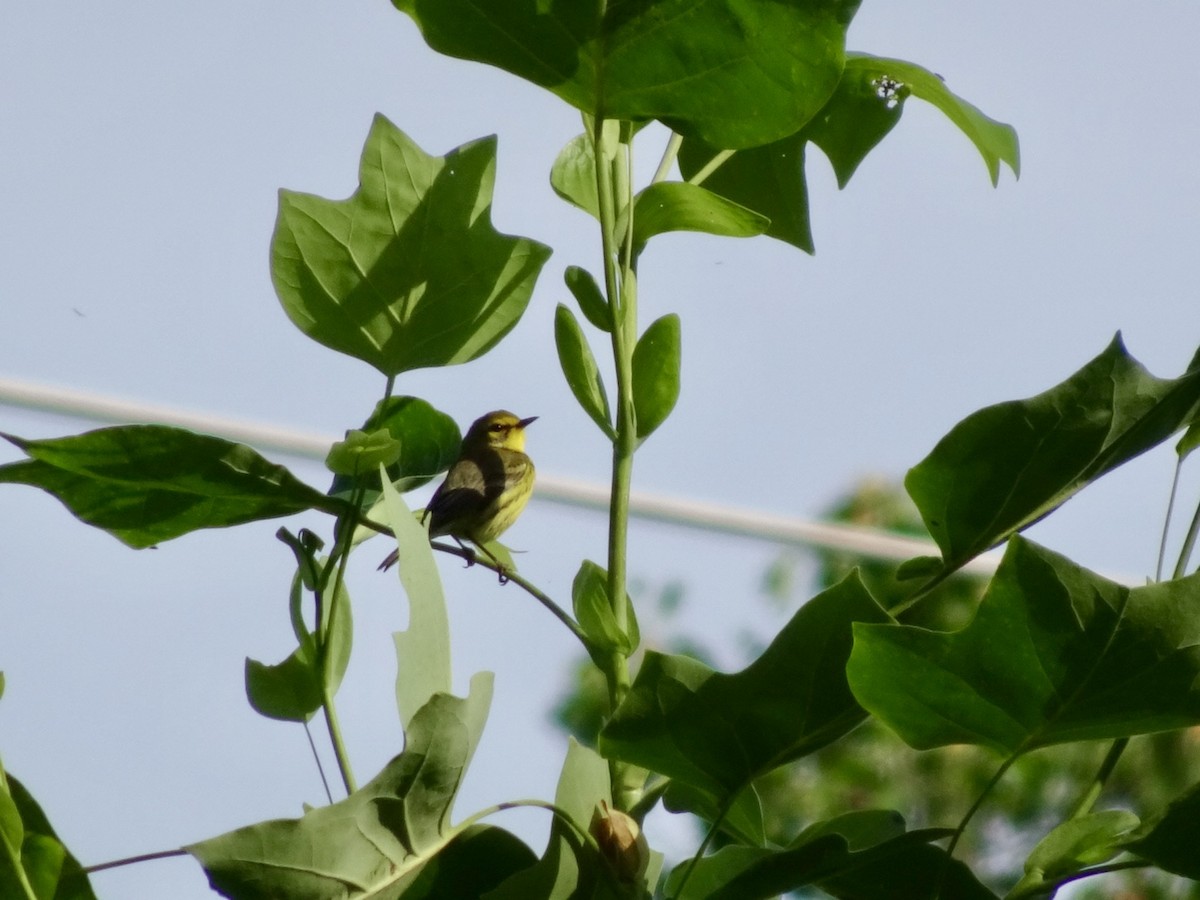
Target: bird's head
column 498, row 430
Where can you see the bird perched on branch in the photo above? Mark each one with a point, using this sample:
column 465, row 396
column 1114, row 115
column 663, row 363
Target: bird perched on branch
column 486, row 487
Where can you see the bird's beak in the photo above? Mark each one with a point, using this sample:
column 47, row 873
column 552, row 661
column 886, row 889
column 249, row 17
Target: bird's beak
column 525, row 423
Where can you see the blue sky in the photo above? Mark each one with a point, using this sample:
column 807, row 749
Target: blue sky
column 141, row 151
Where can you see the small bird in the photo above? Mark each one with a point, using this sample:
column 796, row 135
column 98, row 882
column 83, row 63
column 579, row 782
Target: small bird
column 486, row 487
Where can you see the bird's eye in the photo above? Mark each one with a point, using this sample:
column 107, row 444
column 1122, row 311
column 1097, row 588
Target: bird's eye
column 496, row 426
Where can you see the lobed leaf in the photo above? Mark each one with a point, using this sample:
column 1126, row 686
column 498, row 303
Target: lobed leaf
column 145, row 484
column 408, row 272
column 719, row 732
column 656, row 374
column 995, row 141
column 389, row 837
column 1006, row 466
column 734, row 72
column 768, row 180
column 1055, row 653
column 857, row 855
column 579, row 367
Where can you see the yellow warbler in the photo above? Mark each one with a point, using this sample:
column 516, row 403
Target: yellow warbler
column 486, row 487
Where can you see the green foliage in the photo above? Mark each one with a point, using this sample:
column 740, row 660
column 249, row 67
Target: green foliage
column 718, row 732
column 34, row 865
column 1004, row 467
column 656, row 361
column 1055, row 653
column 385, row 839
column 423, row 649
column 408, row 272
column 579, row 367
column 145, row 484
column 734, row 72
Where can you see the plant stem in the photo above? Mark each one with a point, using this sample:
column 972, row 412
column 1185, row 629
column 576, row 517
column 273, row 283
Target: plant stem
column 1189, row 544
column 607, row 151
column 559, row 613
column 325, row 632
column 1088, row 800
column 668, row 158
column 130, row 860
column 1162, row 544
column 711, row 166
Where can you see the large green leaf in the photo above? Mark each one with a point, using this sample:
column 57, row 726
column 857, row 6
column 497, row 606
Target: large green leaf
column 769, row 180
column 34, row 865
column 1055, row 653
column 895, row 79
column 1006, row 466
column 145, row 484
column 409, row 271
column 717, row 731
column 734, row 72
column 858, row 855
column 1170, row 840
column 380, row 841
column 866, row 105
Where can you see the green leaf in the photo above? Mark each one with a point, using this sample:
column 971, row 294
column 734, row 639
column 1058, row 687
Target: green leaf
column 579, row 367
column 1078, row 843
column 429, row 443
column 476, row 861
column 735, row 72
column 380, row 840
column 573, row 175
column 768, row 180
column 568, row 870
column 34, row 864
column 742, row 820
column 587, row 294
column 1006, row 466
column 145, row 484
column 866, row 105
column 423, row 650
column 1169, row 840
column 589, row 594
column 855, row 856
column 408, row 272
column 995, row 141
column 362, row 452
column 1189, row 442
column 719, row 732
column 859, row 115
column 677, row 206
column 294, row 689
column 1055, row 653
column 289, row 691
column 656, row 374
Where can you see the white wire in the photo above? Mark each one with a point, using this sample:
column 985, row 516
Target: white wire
column 556, row 489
